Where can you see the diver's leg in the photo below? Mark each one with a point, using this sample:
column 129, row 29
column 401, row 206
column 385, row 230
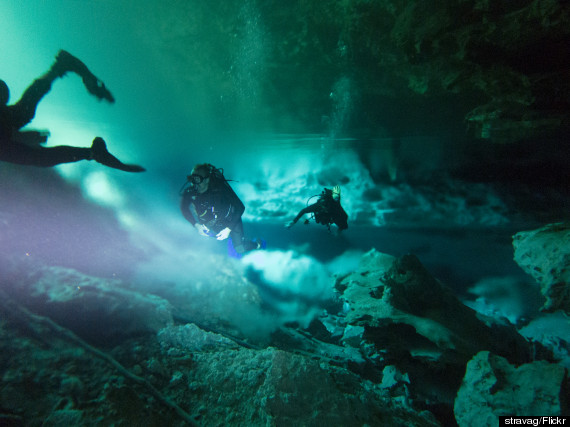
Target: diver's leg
column 23, row 154
column 66, row 62
column 101, row 155
column 25, row 108
column 241, row 244
column 237, row 237
column 44, row 156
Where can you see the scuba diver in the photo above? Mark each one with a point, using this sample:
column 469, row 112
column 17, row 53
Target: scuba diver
column 326, row 210
column 24, row 147
column 213, row 208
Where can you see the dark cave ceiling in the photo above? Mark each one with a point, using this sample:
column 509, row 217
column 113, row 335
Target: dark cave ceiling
column 495, row 71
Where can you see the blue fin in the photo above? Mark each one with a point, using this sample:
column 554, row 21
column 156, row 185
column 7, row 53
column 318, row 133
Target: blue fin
column 234, row 254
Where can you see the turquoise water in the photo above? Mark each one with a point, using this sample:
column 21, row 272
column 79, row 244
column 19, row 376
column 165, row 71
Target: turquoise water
column 288, row 98
column 214, row 83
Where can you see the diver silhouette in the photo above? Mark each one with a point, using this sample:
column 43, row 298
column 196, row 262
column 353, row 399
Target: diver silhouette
column 24, row 147
column 326, row 210
column 214, row 209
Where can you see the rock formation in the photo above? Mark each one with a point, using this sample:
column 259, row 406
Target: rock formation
column 391, row 350
column 544, row 253
column 157, row 372
column 493, row 387
column 413, row 321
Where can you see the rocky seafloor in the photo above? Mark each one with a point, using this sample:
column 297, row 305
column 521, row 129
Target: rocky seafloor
column 394, row 347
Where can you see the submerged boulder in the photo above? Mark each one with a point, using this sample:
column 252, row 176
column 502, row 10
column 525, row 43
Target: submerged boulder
column 544, row 253
column 552, row 330
column 241, row 386
column 415, row 323
column 399, row 294
column 493, row 387
column 101, row 311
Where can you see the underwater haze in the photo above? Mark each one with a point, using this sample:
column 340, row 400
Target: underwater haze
column 288, row 98
column 197, row 83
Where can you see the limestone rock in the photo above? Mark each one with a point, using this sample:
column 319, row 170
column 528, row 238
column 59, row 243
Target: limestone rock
column 352, row 335
column 78, row 301
column 56, row 380
column 493, row 387
column 417, row 313
column 552, row 330
column 274, row 387
column 190, row 338
column 544, row 253
column 416, row 324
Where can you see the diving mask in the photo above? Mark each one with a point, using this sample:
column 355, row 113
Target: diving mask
column 196, row 179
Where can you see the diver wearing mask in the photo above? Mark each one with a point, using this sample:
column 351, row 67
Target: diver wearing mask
column 213, row 208
column 326, row 210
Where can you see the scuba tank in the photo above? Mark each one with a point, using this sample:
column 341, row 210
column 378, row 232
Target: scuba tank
column 321, row 216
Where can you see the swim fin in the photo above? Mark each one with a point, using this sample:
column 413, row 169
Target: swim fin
column 100, row 154
column 66, row 62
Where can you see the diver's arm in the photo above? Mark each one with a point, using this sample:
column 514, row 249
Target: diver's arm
column 312, row 208
column 309, row 209
column 185, row 208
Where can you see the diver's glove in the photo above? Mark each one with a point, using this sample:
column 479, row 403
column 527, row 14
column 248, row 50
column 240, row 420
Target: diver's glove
column 223, row 235
column 289, row 224
column 202, row 229
column 336, row 193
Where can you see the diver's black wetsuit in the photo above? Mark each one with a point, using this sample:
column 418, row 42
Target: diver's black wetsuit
column 326, row 211
column 23, row 147
column 217, row 208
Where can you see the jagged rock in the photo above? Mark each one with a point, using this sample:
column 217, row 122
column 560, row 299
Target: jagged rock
column 544, row 253
column 78, row 302
column 274, row 387
column 352, row 335
column 552, row 330
column 218, row 385
column 301, row 342
column 415, row 323
column 190, row 338
column 493, row 387
column 49, row 379
column 385, row 292
column 396, row 383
